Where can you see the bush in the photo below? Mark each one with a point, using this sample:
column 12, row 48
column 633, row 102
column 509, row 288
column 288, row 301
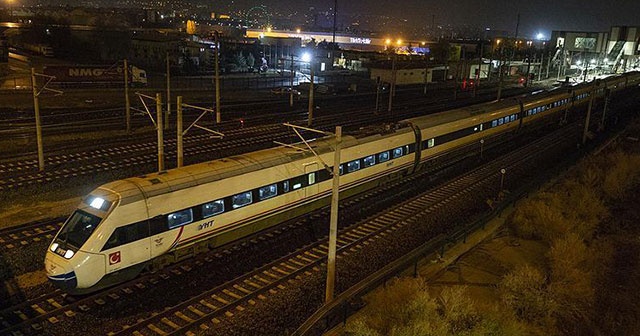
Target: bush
column 406, row 308
column 538, row 218
column 622, row 174
column 524, row 291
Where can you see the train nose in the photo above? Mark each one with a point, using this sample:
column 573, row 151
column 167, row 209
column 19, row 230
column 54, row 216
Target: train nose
column 59, row 275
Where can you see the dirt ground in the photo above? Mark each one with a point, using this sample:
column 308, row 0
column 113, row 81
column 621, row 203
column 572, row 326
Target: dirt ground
column 482, row 268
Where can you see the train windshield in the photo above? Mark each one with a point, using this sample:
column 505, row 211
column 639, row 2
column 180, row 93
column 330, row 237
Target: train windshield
column 78, row 228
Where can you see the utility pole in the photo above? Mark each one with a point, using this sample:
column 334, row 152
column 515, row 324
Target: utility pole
column 36, row 107
column 333, row 40
column 166, row 116
column 607, row 96
column 217, row 78
column 127, row 102
column 291, row 83
column 311, row 103
column 479, row 74
column 179, row 131
column 333, row 222
column 500, row 75
column 160, row 132
column 592, row 96
column 392, row 86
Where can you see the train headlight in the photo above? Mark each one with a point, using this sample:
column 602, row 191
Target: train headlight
column 68, row 254
column 54, row 247
column 97, row 203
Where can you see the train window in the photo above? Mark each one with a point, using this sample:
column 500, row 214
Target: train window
column 241, row 199
column 311, row 178
column 180, row 218
column 494, row 123
column 127, row 234
column 77, row 229
column 369, row 161
column 384, row 156
column 212, row 208
column 285, row 186
column 431, row 142
column 397, row 152
column 513, row 117
column 500, row 121
column 268, row 191
column 297, row 186
column 341, row 170
column 353, row 166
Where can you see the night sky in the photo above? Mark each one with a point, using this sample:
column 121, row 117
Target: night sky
column 535, row 15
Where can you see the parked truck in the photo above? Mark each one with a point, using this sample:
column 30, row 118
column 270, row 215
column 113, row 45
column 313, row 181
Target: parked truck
column 103, row 75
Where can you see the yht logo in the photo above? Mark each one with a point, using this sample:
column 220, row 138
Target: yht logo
column 114, row 258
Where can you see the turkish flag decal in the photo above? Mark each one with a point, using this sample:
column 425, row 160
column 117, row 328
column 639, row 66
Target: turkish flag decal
column 114, row 258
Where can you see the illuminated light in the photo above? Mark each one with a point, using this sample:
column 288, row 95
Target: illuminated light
column 306, row 57
column 261, row 35
column 606, row 60
column 54, row 247
column 387, row 41
column 69, row 254
column 578, row 62
column 298, row 30
column 540, row 36
column 268, row 29
column 498, row 41
column 297, row 186
column 97, row 203
column 423, row 43
column 593, row 61
column 399, row 42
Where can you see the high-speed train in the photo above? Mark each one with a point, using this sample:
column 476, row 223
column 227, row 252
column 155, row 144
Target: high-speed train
column 126, row 226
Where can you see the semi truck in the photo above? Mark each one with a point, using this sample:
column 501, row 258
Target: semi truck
column 104, row 75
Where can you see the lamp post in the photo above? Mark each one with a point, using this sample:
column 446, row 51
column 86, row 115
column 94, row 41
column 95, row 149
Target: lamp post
column 10, row 4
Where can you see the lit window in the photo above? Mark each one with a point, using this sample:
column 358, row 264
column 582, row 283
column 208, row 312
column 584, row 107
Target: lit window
column 494, row 123
column 431, row 142
column 312, row 178
column 397, row 152
column 353, row 166
column 241, row 200
column 513, row 117
column 384, row 156
column 268, row 191
column 179, row 218
column 285, row 186
column 212, row 208
column 369, row 161
column 297, row 186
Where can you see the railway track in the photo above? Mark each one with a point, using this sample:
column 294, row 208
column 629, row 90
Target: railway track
column 53, row 309
column 198, row 147
column 31, row 232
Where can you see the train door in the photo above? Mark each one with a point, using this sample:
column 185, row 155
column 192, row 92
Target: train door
column 311, row 170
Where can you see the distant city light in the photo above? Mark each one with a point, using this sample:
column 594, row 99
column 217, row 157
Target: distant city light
column 540, row 36
column 306, row 57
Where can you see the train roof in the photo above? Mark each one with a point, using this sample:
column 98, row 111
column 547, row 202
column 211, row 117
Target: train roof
column 450, row 116
column 146, row 186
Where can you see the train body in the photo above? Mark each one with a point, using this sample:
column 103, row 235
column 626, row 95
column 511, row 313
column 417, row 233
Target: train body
column 94, row 74
column 125, row 226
